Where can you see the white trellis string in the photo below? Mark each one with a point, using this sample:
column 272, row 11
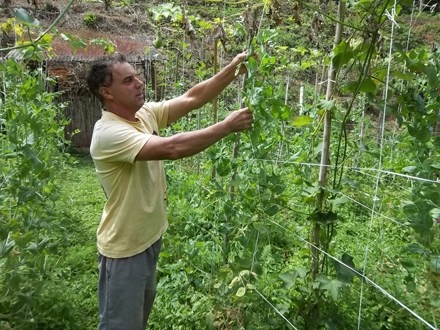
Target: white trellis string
column 344, row 167
column 391, row 16
column 275, row 309
column 266, row 300
column 370, row 209
column 394, row 183
column 326, row 81
column 380, row 157
column 359, row 274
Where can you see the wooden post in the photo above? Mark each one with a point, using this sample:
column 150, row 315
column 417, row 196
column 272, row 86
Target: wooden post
column 326, row 144
column 214, row 71
column 214, row 101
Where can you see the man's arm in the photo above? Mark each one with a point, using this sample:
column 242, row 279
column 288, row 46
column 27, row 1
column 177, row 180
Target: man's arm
column 205, row 91
column 190, row 143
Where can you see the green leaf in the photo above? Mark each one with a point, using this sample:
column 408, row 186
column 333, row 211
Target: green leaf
column 404, row 76
column 435, row 213
column 326, row 105
column 323, row 218
column 436, row 302
column 5, row 248
column 352, row 183
column 289, row 279
column 252, row 65
column 418, row 216
column 410, row 286
column 302, row 272
column 301, row 121
column 417, row 249
column 338, row 201
column 409, row 169
column 345, row 274
column 342, row 54
column 408, row 265
column 260, row 227
column 435, row 263
column 24, row 17
column 432, row 76
column 332, row 286
column 272, row 210
column 368, row 86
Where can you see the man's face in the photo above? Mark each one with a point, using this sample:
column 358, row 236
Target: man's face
column 126, row 89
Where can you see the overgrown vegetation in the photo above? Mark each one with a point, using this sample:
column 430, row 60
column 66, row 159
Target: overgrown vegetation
column 257, row 239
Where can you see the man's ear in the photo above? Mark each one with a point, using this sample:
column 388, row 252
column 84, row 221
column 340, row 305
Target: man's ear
column 104, row 91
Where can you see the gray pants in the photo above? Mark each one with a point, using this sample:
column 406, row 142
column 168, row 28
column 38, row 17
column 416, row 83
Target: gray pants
column 126, row 289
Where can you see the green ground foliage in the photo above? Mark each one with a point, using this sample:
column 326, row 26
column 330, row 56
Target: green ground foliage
column 246, row 215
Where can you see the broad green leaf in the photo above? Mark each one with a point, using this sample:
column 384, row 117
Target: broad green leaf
column 342, row 54
column 402, row 75
column 24, row 17
column 326, row 105
column 301, row 121
column 272, row 210
column 302, row 272
column 410, row 286
column 332, row 286
column 289, row 279
column 240, row 292
column 5, row 248
column 368, row 86
column 419, row 217
column 351, row 182
column 253, row 65
column 260, row 227
column 408, row 265
column 435, row 263
column 417, row 249
column 345, row 274
column 435, row 213
column 266, row 251
column 339, row 201
column 409, row 169
column 432, row 76
column 436, row 302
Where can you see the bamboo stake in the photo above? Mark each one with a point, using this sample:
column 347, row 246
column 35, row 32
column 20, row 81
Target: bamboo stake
column 326, row 143
column 214, row 101
column 234, row 156
column 214, row 71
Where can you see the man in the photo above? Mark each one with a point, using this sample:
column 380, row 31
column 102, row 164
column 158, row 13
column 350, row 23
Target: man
column 128, row 154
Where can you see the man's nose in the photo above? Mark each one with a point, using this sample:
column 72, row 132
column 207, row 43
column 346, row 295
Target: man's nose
column 139, row 83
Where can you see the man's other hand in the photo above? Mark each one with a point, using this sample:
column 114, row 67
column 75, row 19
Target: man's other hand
column 240, row 120
column 241, row 58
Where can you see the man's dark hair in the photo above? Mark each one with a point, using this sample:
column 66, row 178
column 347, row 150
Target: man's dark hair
column 100, row 74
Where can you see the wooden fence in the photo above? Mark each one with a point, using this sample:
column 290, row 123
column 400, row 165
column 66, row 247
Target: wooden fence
column 83, row 112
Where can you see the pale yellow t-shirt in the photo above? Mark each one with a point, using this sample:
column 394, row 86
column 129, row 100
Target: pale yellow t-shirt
column 134, row 215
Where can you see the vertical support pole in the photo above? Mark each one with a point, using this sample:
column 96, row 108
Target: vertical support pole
column 301, row 100
column 214, row 101
column 234, row 156
column 214, row 71
column 326, row 144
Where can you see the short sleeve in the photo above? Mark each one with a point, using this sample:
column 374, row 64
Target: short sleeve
column 160, row 111
column 120, row 143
